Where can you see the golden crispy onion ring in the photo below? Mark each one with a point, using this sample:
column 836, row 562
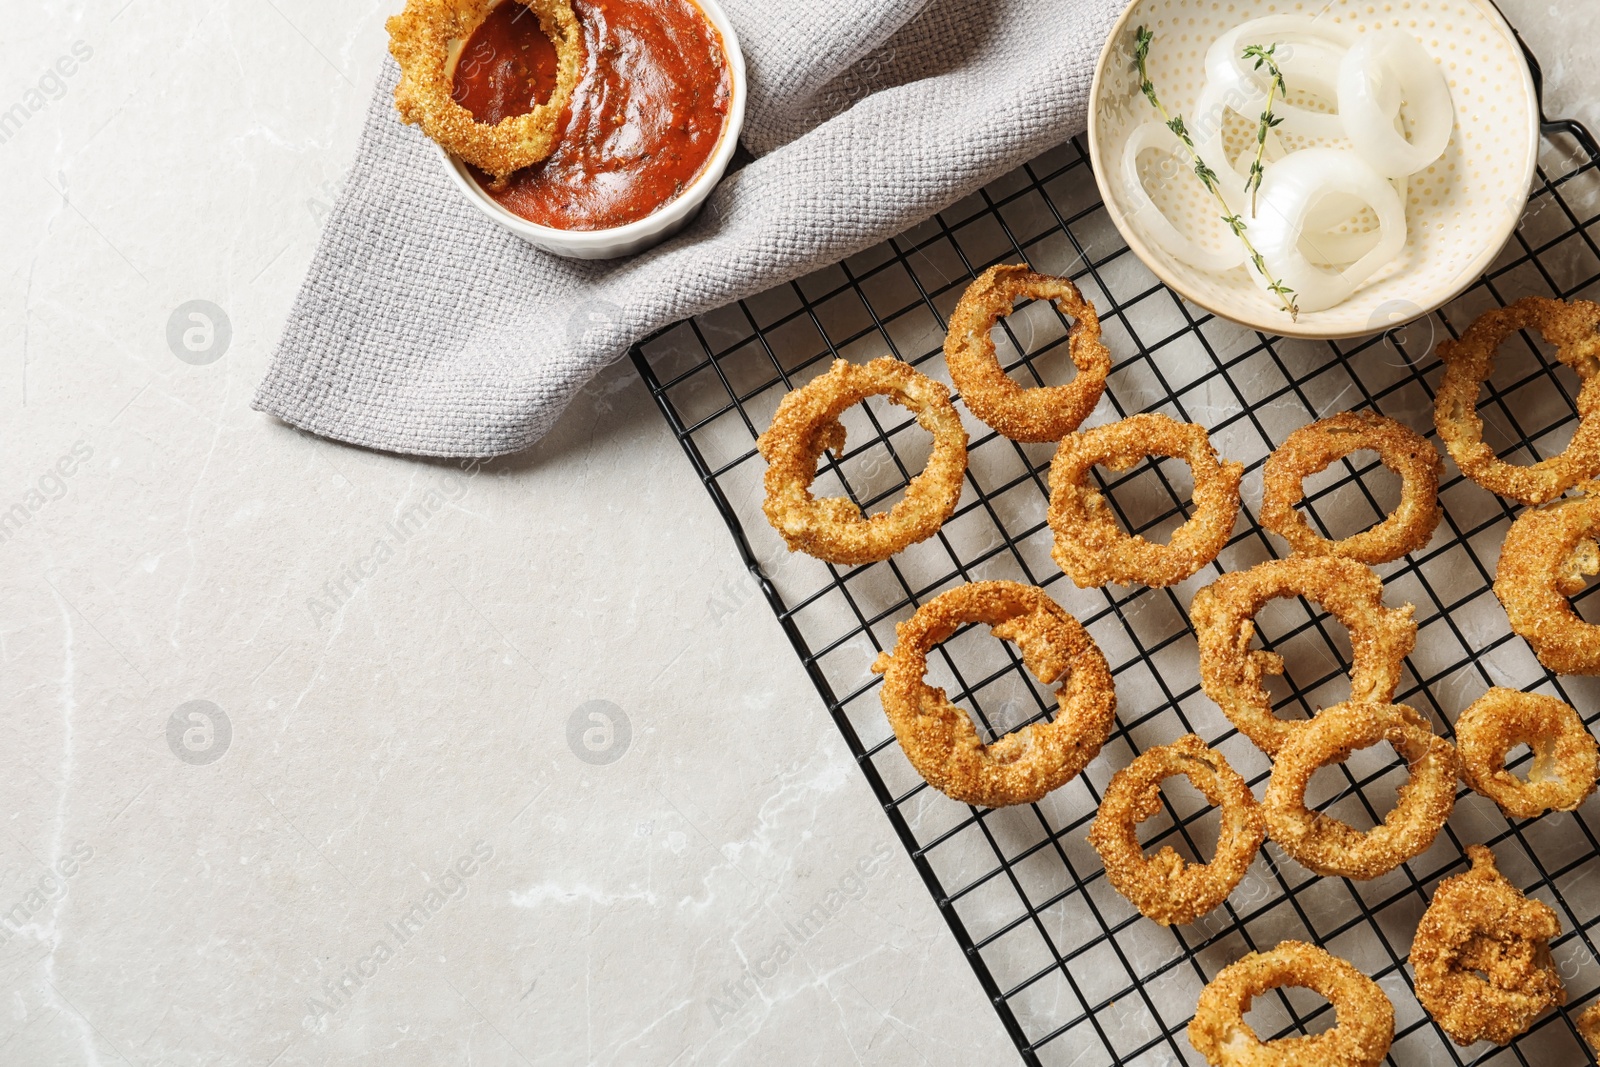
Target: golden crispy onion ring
column 1043, row 414
column 1589, row 1027
column 1090, row 547
column 1548, row 554
column 1165, row 887
column 1566, row 761
column 938, row 737
column 1314, row 448
column 424, row 36
column 1328, row 846
column 1468, row 364
column 1481, row 956
column 1361, row 1035
column 1223, row 615
column 806, row 424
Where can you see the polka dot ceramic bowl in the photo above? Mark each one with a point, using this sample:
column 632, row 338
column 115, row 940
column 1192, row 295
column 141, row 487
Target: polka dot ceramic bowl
column 1460, row 211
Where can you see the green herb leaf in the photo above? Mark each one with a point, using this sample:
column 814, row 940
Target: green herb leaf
column 1208, row 177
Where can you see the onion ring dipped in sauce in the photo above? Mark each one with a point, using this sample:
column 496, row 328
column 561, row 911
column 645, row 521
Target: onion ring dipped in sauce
column 1046, row 413
column 1481, row 956
column 1575, row 329
column 1090, row 547
column 422, row 38
column 1232, row 673
column 806, row 424
column 1549, row 554
column 1364, row 1017
column 1314, row 448
column 1566, row 761
column 1328, row 846
column 939, row 738
column 1165, row 887
column 651, row 101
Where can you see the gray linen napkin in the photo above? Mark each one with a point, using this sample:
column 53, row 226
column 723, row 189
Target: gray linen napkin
column 424, row 328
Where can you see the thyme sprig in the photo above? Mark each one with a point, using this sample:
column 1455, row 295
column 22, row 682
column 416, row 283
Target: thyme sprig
column 1207, row 176
column 1264, row 57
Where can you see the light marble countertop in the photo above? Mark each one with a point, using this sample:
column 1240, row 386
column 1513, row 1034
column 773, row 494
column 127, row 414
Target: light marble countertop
column 393, row 653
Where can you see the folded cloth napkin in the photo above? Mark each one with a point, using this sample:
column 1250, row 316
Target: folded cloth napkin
column 423, row 327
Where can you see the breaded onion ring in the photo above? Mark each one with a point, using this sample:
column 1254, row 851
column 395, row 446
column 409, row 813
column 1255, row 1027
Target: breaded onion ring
column 806, row 424
column 1047, row 413
column 938, row 737
column 1361, row 1035
column 1231, row 672
column 1313, row 448
column 1548, row 554
column 1478, row 924
column 423, row 37
column 1589, row 1027
column 1566, row 761
column 1468, row 364
column 1165, row 887
column 1089, row 546
column 1326, row 845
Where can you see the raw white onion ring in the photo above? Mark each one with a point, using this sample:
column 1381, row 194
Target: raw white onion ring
column 1329, row 248
column 1230, row 72
column 1292, row 188
column 1386, row 67
column 1150, row 218
column 1209, row 115
column 1317, row 69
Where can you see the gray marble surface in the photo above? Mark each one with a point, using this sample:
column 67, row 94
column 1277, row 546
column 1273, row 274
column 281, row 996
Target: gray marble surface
column 300, row 762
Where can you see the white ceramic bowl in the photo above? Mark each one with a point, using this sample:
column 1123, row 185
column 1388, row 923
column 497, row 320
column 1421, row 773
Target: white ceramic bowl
column 1460, row 211
column 650, row 230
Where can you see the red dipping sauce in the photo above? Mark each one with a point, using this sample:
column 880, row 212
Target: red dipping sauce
column 647, row 113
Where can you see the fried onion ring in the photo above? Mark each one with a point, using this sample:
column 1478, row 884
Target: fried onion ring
column 1478, row 924
column 1313, row 448
column 1048, row 413
column 1589, row 1027
column 1326, row 845
column 1362, row 1032
column 1165, row 887
column 1231, row 672
column 806, row 424
column 1468, row 364
column 1089, row 546
column 938, row 737
column 1566, row 761
column 1548, row 554
column 423, row 39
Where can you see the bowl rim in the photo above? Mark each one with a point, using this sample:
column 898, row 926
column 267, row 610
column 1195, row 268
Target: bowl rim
column 1468, row 276
column 668, row 214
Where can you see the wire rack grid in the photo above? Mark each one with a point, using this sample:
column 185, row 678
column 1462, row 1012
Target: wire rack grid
column 1074, row 973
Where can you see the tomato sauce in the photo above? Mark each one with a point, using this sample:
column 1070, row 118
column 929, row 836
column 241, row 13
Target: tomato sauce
column 646, row 115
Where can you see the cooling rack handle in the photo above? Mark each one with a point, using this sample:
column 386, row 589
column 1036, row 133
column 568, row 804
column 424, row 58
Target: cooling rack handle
column 1571, row 127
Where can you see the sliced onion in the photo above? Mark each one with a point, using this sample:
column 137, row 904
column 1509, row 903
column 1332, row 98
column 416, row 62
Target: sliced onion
column 1324, row 245
column 1150, row 219
column 1209, row 116
column 1312, row 42
column 1291, row 191
column 1387, row 69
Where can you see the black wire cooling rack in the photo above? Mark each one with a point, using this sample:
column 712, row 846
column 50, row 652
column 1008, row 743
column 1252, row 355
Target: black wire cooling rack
column 1075, row 974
